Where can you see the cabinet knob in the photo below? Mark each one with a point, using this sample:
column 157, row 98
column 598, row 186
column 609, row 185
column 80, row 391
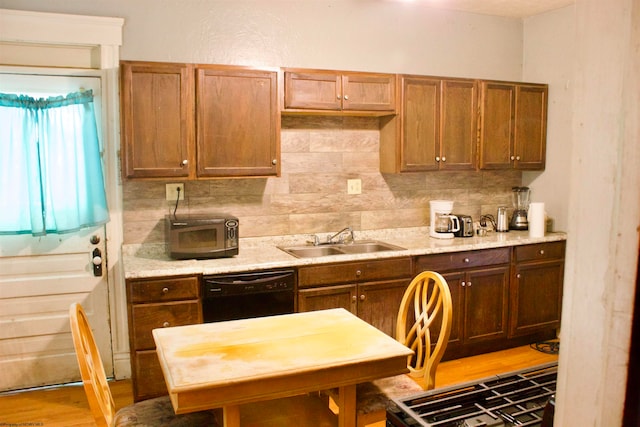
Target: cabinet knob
column 346, row 97
column 354, row 299
column 517, row 157
column 518, row 275
column 338, row 97
column 467, row 260
column 165, row 290
column 437, row 158
column 469, row 284
column 464, row 284
column 513, row 158
column 444, row 159
column 166, row 324
column 362, row 297
column 541, row 252
column 185, row 162
column 358, row 273
column 274, row 162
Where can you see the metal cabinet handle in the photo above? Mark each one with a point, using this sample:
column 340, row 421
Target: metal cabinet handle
column 467, row 260
column 541, row 252
column 346, row 97
column 517, row 157
column 166, row 324
column 354, row 299
column 358, row 273
column 165, row 290
column 362, row 297
column 338, row 97
column 274, row 162
column 513, row 158
column 464, row 284
column 469, row 284
column 518, row 275
column 444, row 159
column 437, row 158
column 185, row 162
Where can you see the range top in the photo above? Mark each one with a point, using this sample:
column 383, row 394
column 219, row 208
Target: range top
column 512, row 399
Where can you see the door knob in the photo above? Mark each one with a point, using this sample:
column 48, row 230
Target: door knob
column 97, row 262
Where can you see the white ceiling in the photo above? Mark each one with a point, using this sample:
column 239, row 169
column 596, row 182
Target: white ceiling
column 510, row 8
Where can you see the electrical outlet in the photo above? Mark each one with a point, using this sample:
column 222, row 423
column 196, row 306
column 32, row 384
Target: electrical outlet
column 354, row 186
column 172, row 191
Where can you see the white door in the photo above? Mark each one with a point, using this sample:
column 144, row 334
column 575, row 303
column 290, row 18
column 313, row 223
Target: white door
column 41, row 276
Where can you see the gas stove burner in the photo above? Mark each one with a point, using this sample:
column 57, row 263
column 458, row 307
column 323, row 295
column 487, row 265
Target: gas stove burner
column 513, row 399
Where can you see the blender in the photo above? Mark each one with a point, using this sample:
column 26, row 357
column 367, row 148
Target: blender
column 521, row 199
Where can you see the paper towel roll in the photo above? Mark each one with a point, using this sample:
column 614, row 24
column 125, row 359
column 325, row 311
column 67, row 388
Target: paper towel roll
column 536, row 219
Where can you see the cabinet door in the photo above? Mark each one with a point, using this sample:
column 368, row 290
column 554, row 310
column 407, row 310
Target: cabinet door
column 238, row 125
column 368, row 92
column 530, row 127
column 455, row 281
column 342, row 296
column 378, row 303
column 496, row 127
column 157, row 120
column 313, row 90
column 458, row 118
column 147, row 317
column 420, row 129
column 536, row 300
column 486, row 304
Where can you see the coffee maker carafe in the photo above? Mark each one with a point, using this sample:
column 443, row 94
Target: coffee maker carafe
column 521, row 200
column 443, row 224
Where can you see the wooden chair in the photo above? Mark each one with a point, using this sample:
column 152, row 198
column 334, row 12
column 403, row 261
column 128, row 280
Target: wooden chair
column 309, row 411
column 423, row 325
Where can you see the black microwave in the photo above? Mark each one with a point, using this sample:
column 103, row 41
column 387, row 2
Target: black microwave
column 202, row 237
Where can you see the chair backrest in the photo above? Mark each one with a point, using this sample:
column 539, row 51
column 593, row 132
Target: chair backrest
column 425, row 308
column 92, row 372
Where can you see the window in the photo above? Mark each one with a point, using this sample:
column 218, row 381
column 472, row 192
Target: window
column 51, row 177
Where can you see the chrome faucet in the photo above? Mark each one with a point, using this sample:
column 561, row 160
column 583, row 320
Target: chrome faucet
column 340, row 236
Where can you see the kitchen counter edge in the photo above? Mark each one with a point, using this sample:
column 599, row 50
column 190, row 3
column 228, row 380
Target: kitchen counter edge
column 262, row 253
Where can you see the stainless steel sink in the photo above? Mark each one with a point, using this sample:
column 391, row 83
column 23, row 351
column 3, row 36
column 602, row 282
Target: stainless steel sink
column 357, row 247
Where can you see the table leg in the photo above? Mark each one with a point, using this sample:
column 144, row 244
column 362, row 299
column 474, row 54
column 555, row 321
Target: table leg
column 231, row 416
column 347, row 406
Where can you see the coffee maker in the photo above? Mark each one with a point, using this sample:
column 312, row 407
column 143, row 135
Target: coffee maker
column 443, row 224
column 521, row 198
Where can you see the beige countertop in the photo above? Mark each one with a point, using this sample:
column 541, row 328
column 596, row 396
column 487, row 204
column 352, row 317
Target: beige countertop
column 260, row 253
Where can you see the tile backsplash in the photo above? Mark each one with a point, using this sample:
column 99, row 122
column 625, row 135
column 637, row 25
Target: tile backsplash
column 319, row 155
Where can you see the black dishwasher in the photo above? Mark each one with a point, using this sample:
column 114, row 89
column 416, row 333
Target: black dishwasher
column 246, row 295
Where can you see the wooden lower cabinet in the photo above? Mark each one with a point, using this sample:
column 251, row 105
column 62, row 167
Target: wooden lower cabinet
column 156, row 303
column 536, row 288
column 372, row 289
column 479, row 285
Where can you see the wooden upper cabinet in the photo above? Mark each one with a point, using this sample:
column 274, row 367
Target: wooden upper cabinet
column 436, row 128
column 513, row 126
column 199, row 121
column 157, row 120
column 326, row 91
column 238, row 123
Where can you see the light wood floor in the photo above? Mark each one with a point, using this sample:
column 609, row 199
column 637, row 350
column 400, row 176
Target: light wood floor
column 66, row 406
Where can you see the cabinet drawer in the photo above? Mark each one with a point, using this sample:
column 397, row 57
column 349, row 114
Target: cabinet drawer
column 539, row 251
column 349, row 272
column 169, row 289
column 147, row 317
column 461, row 260
column 149, row 378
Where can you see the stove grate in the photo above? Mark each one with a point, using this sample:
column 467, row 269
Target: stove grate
column 512, row 399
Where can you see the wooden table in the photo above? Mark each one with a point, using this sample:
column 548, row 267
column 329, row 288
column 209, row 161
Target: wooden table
column 227, row 364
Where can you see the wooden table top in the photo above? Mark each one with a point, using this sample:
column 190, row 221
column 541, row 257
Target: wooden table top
column 252, row 359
